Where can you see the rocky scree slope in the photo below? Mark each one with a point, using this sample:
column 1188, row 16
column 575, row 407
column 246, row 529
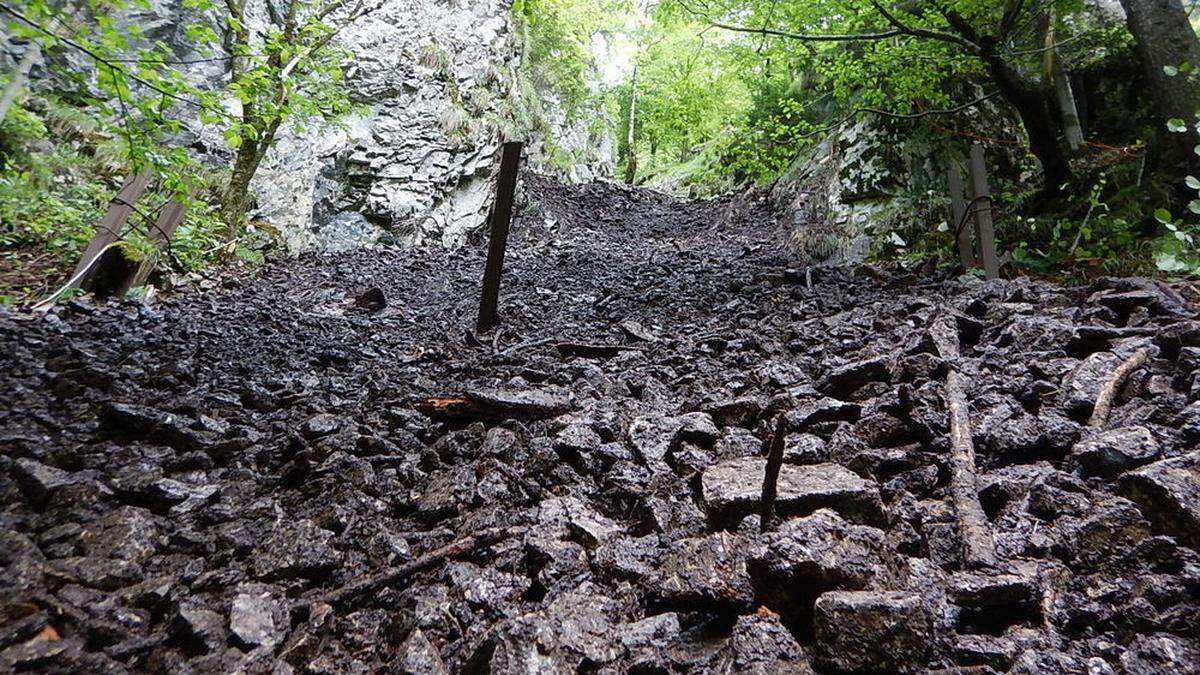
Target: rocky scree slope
column 186, row 486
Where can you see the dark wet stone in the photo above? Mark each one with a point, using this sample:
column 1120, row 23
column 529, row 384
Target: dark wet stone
column 803, row 557
column 822, row 410
column 979, row 590
column 844, row 380
column 732, row 490
column 1168, row 493
column 299, row 549
column 39, row 481
column 199, row 630
column 1116, row 451
column 739, row 412
column 1161, row 654
column 418, row 656
column 705, row 572
column 1082, row 385
column 106, row 574
column 871, row 631
column 1108, row 534
column 762, row 645
column 805, row 449
column 321, row 425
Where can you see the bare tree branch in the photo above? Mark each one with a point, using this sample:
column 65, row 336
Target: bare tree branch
column 929, row 33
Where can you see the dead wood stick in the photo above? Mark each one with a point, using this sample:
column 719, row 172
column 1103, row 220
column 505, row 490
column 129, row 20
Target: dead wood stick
column 979, row 548
column 454, row 549
column 770, row 489
column 1108, row 393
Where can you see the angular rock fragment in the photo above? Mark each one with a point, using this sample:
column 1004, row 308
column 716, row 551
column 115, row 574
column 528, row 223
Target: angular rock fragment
column 39, row 481
column 991, row 651
column 299, row 549
column 871, row 632
column 648, row 640
column 761, row 645
column 1109, row 532
column 257, row 618
column 373, row 300
column 417, row 656
column 740, row 412
column 655, row 438
column 123, row 420
column 805, row 449
column 128, row 533
column 821, row 551
column 994, row 601
column 1116, row 451
column 822, row 410
column 1168, row 493
column 844, row 380
column 574, row 628
column 732, row 490
column 706, row 572
column 1081, row 386
column 577, row 439
column 1161, row 654
column 321, row 425
column 199, row 630
column 104, row 574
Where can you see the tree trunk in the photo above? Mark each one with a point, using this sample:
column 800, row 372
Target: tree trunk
column 1057, row 80
column 1072, row 126
column 1040, row 122
column 1165, row 37
column 630, row 148
column 235, row 202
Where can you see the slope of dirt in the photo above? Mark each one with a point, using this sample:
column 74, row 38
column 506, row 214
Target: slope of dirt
column 250, row 478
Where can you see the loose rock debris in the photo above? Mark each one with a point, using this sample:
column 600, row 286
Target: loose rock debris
column 312, row 470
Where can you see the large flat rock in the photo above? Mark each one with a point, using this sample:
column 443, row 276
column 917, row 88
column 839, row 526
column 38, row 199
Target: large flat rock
column 732, row 490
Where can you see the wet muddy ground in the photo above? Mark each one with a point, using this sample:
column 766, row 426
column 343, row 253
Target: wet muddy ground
column 321, row 469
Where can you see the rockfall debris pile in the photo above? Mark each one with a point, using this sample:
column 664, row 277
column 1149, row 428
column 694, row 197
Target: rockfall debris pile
column 322, row 470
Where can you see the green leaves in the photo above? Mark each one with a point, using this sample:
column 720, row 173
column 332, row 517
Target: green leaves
column 1176, row 125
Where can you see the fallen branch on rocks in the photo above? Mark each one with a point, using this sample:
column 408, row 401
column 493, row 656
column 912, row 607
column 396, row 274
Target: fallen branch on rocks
column 493, row 406
column 593, row 351
column 770, row 488
column 979, row 549
column 464, row 546
column 1108, row 393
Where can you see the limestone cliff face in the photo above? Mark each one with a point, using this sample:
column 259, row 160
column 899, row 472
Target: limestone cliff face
column 433, row 77
column 434, row 81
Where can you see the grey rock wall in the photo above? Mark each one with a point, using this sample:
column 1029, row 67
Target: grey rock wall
column 432, row 76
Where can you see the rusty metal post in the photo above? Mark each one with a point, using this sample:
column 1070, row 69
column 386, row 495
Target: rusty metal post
column 958, row 204
column 985, row 233
column 110, row 228
column 501, row 215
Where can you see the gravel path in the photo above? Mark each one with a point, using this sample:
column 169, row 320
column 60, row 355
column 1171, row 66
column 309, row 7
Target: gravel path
column 321, row 469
